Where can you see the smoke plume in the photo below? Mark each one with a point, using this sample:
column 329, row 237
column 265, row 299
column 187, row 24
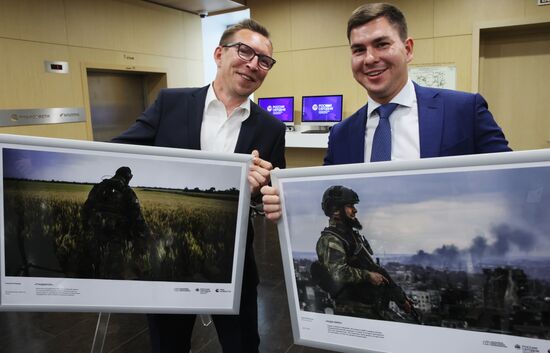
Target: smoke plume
column 506, row 238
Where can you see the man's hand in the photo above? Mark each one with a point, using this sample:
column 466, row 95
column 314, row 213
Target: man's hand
column 272, row 203
column 377, row 279
column 258, row 175
column 407, row 306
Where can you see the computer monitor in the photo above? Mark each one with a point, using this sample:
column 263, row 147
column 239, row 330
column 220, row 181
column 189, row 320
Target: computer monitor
column 322, row 111
column 280, row 107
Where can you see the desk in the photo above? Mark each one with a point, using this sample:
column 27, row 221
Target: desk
column 300, row 140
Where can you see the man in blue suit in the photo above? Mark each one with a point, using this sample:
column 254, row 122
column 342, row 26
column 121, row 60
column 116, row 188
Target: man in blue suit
column 422, row 122
column 426, row 122
column 219, row 117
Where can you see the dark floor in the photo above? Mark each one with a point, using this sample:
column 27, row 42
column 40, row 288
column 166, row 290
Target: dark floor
column 22, row 332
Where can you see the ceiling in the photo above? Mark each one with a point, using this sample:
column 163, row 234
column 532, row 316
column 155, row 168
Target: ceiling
column 209, row 7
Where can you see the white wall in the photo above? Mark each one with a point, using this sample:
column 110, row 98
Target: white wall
column 212, row 30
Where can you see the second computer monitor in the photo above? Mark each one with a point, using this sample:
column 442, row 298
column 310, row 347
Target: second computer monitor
column 280, row 107
column 322, row 110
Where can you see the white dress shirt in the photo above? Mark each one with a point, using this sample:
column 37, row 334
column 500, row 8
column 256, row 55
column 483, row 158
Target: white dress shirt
column 219, row 130
column 405, row 138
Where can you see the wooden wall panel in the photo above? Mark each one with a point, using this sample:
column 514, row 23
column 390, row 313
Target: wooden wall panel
column 135, row 27
column 25, row 84
column 279, row 81
column 456, row 50
column 99, row 24
column 190, row 43
column 532, row 10
column 36, row 20
column 304, row 157
column 514, row 73
column 420, row 17
column 458, row 17
column 324, row 71
column 124, row 34
column 74, row 131
column 423, row 52
column 160, row 30
column 275, row 16
column 319, row 23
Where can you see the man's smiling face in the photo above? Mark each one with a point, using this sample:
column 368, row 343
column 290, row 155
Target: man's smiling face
column 379, row 59
column 238, row 77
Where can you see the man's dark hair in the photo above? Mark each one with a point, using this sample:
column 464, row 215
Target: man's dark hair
column 368, row 12
column 249, row 24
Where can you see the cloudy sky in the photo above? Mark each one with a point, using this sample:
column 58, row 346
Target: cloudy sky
column 402, row 214
column 92, row 167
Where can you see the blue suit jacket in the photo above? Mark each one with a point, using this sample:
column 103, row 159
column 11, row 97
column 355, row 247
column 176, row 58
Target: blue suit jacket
column 450, row 123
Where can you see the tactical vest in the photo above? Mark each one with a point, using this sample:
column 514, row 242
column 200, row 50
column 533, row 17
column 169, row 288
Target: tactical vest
column 109, row 207
column 358, row 255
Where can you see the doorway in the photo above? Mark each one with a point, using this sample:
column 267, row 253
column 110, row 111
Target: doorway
column 117, row 98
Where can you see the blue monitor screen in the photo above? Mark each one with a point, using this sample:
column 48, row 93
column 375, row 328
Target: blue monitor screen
column 280, row 107
column 325, row 109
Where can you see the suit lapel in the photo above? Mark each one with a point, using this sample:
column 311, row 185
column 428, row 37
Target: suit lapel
column 195, row 111
column 248, row 131
column 430, row 121
column 357, row 136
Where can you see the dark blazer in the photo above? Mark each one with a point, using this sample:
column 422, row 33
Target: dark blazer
column 450, row 123
column 174, row 120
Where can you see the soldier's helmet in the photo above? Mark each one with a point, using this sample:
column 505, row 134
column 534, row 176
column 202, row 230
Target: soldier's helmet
column 336, row 197
column 124, row 172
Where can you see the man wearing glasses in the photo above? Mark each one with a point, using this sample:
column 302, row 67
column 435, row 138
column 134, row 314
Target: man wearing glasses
column 221, row 118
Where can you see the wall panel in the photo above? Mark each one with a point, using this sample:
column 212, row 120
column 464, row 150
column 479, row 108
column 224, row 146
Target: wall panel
column 279, row 81
column 423, row 52
column 534, row 11
column 324, row 71
column 275, row 16
column 514, row 72
column 319, row 23
column 456, row 50
column 35, row 20
column 25, row 82
column 420, row 17
column 125, row 34
column 458, row 17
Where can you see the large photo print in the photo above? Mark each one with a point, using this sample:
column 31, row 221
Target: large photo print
column 450, row 255
column 150, row 232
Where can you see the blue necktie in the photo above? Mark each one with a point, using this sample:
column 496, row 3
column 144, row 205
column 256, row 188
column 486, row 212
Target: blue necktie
column 381, row 144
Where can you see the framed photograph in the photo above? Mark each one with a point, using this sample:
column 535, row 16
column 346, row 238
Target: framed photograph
column 92, row 226
column 434, row 255
column 435, row 76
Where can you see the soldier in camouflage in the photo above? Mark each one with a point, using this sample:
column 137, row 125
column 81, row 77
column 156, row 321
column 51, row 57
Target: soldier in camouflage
column 345, row 267
column 112, row 218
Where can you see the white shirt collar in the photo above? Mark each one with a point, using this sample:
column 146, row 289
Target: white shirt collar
column 211, row 97
column 220, row 130
column 406, row 97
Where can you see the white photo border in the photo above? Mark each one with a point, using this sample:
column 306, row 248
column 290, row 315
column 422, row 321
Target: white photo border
column 351, row 334
column 128, row 296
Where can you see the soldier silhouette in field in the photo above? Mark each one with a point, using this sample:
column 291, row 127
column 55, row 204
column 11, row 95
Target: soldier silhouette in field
column 115, row 229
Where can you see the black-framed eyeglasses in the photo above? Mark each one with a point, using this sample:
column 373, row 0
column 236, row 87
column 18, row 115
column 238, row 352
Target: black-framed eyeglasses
column 247, row 53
